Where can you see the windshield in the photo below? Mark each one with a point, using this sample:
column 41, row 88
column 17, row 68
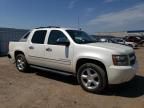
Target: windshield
column 80, row 37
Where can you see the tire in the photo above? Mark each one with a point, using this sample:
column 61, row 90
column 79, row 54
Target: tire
column 21, row 63
column 92, row 78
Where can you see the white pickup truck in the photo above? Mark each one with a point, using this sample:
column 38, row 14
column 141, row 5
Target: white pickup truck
column 55, row 49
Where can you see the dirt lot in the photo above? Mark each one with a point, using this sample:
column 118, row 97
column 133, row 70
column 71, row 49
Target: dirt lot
column 48, row 90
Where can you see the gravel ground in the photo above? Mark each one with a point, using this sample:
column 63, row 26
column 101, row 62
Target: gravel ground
column 40, row 89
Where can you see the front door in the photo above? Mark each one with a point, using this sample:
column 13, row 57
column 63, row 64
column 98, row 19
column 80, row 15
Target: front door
column 58, row 56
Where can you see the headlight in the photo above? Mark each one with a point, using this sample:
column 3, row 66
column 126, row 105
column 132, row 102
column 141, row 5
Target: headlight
column 120, row 60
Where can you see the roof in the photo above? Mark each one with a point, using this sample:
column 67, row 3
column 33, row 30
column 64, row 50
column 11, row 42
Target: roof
column 54, row 28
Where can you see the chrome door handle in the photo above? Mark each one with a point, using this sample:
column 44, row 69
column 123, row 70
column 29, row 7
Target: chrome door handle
column 48, row 49
column 31, row 47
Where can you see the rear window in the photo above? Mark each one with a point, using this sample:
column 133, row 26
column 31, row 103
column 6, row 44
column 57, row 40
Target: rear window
column 24, row 38
column 26, row 35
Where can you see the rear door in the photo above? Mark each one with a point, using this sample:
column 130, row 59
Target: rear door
column 36, row 48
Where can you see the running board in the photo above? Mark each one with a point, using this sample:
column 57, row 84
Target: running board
column 51, row 70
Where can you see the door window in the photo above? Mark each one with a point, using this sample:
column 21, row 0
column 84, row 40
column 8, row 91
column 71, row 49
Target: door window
column 39, row 37
column 56, row 36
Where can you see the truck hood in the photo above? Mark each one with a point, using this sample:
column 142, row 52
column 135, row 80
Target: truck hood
column 113, row 47
column 131, row 43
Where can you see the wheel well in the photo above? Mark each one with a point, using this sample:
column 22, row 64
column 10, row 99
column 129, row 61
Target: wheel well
column 18, row 52
column 82, row 61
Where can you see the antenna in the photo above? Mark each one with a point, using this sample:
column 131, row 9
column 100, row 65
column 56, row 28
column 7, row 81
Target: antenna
column 78, row 24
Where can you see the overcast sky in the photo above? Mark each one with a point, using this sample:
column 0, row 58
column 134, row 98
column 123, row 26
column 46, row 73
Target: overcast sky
column 94, row 15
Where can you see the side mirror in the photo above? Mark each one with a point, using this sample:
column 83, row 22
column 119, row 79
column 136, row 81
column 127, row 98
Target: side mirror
column 63, row 43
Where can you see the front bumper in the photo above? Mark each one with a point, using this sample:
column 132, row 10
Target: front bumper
column 121, row 74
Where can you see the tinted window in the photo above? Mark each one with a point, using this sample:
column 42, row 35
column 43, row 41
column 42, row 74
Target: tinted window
column 56, row 36
column 39, row 37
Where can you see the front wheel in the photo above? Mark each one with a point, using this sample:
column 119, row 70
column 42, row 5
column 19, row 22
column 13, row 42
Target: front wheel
column 21, row 63
column 92, row 78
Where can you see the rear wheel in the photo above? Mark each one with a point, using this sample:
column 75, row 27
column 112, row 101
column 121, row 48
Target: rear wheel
column 92, row 78
column 21, row 63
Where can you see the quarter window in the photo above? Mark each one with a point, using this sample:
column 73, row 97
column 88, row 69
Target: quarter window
column 39, row 37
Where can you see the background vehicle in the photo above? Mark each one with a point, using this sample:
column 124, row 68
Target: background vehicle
column 139, row 40
column 102, row 38
column 116, row 40
column 123, row 42
column 95, row 65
